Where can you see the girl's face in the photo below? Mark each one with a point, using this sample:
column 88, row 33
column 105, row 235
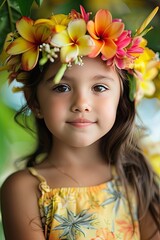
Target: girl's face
column 82, row 107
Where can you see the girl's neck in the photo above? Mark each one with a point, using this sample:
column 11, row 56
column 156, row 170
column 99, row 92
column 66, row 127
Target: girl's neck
column 73, row 166
column 64, row 155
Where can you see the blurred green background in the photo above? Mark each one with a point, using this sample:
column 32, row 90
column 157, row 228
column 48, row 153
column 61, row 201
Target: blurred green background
column 15, row 142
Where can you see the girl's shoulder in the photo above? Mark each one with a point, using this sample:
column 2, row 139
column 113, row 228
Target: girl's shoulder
column 20, row 211
column 18, row 183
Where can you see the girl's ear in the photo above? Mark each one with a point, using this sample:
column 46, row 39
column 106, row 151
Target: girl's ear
column 39, row 115
column 33, row 105
column 37, row 112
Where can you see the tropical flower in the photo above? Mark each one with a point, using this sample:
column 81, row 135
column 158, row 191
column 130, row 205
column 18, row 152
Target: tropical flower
column 155, row 162
column 57, row 23
column 73, row 41
column 31, row 36
column 157, row 84
column 74, row 14
column 66, row 36
column 147, row 68
column 151, row 147
column 73, row 224
column 104, row 32
column 130, row 231
column 116, row 197
column 73, row 44
column 135, row 49
column 104, row 234
column 120, row 59
column 128, row 49
column 4, row 55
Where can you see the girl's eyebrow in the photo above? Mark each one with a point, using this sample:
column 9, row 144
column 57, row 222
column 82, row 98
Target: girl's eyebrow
column 102, row 77
column 95, row 78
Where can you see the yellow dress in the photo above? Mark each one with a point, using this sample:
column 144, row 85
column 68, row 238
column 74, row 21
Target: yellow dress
column 92, row 213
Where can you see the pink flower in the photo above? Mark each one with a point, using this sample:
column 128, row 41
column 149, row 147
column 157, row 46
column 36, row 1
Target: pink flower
column 128, row 49
column 84, row 15
column 122, row 42
column 134, row 49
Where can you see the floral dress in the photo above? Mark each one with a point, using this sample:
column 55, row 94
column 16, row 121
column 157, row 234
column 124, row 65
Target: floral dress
column 98, row 212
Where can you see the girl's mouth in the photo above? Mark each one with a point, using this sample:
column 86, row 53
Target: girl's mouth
column 81, row 122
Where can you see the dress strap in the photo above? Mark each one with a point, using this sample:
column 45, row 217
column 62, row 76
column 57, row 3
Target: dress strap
column 34, row 172
column 43, row 186
column 113, row 171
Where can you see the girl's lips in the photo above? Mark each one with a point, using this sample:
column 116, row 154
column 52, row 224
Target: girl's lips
column 81, row 122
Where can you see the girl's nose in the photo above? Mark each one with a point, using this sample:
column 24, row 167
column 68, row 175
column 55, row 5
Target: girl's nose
column 81, row 104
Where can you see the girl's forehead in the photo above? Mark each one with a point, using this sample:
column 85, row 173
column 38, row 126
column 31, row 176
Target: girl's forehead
column 91, row 67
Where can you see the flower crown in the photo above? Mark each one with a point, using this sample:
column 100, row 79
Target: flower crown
column 72, row 36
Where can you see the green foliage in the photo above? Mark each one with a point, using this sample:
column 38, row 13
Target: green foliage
column 11, row 134
column 39, row 2
column 25, row 6
column 10, row 12
column 132, row 86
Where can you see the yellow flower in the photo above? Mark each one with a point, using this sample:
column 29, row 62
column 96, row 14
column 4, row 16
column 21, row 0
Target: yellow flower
column 146, row 67
column 4, row 55
column 73, row 42
column 155, row 162
column 157, row 85
column 31, row 37
column 57, row 22
column 152, row 151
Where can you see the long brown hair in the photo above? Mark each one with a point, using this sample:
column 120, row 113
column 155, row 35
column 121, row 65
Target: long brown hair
column 119, row 146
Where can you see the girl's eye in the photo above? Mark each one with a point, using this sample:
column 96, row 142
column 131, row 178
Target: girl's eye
column 100, row 88
column 61, row 88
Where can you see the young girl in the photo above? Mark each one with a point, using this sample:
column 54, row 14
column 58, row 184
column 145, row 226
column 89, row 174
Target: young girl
column 87, row 178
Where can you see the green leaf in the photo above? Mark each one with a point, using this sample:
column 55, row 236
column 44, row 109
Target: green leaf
column 132, row 87
column 2, row 2
column 39, row 2
column 25, row 6
column 9, row 14
column 60, row 73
